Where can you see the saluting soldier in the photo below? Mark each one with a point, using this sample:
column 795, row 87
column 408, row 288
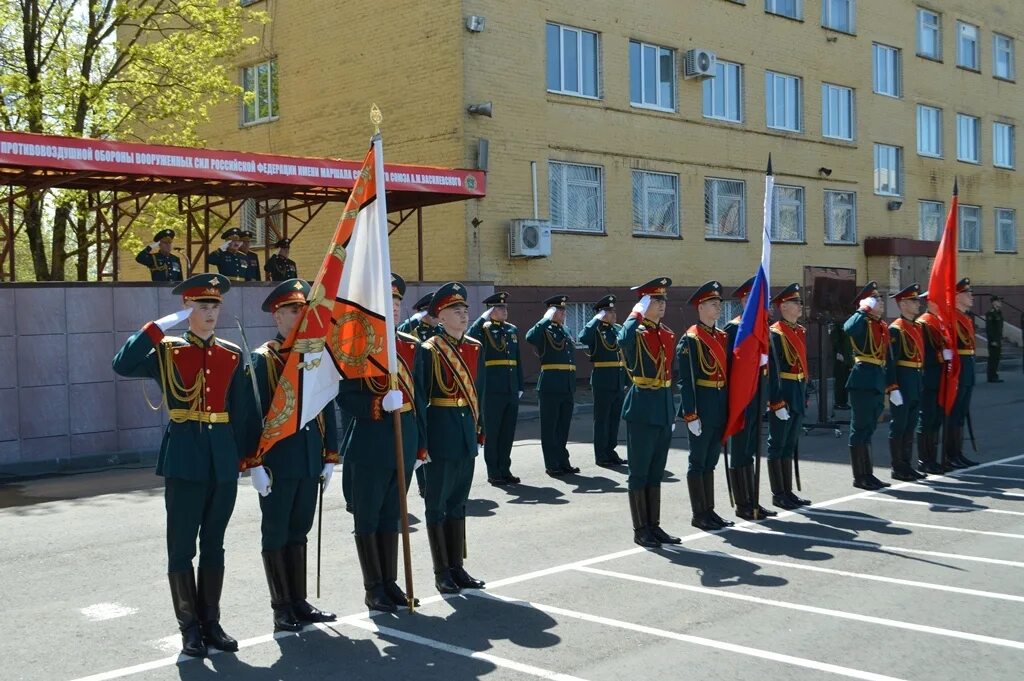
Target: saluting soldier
column 994, row 331
column 701, row 368
column 649, row 410
column 163, row 265
column 252, row 261
column 607, row 380
column 743, row 445
column 279, row 266
column 451, row 377
column 556, row 385
column 370, row 463
column 870, row 380
column 229, row 261
column 213, row 424
column 288, row 476
column 787, row 392
column 965, row 341
column 421, row 324
column 500, row 341
column 906, row 360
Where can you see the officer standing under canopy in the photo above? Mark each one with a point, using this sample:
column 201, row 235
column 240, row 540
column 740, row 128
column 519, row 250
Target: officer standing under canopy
column 163, row 265
column 280, row 267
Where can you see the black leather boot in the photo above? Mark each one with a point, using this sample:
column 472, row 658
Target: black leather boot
column 741, row 495
column 455, row 536
column 185, row 600
column 280, row 591
column 211, row 583
column 958, row 439
column 787, row 482
column 376, row 597
column 870, row 468
column 295, row 558
column 927, row 452
column 700, row 519
column 642, row 534
column 387, row 545
column 709, row 500
column 654, row 516
column 776, row 479
column 861, row 480
column 908, row 455
column 747, row 474
column 439, row 555
column 900, row 468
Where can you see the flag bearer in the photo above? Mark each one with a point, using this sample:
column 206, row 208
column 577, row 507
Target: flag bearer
column 906, row 359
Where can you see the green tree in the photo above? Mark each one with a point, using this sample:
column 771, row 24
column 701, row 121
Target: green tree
column 146, row 70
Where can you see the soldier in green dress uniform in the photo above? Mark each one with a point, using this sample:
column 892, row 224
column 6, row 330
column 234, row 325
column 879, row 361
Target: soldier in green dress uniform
column 370, row 464
column 249, row 256
column 648, row 408
column 869, row 382
column 787, row 394
column 500, row 341
column 288, row 475
column 213, row 424
column 906, row 360
column 936, row 356
column 163, row 265
column 229, row 261
column 994, row 332
column 451, row 378
column 963, row 331
column 701, row 359
column 279, row 266
column 556, row 385
column 607, row 380
column 421, row 324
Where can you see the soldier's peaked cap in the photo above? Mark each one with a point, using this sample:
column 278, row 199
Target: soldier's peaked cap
column 499, row 298
column 912, row 292
column 655, row 288
column 283, row 243
column 711, row 290
column 791, row 292
column 744, row 288
column 557, row 301
column 606, row 303
column 870, row 289
column 964, row 285
column 203, row 287
column 424, row 302
column 451, row 294
column 233, row 233
column 286, row 293
column 397, row 286
column 164, row 235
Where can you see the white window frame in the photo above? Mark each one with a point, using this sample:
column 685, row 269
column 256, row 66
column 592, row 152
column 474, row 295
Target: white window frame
column 251, row 75
column 891, row 152
column 962, row 228
column 891, row 71
column 643, row 177
column 923, row 215
column 659, row 52
column 964, row 145
column 975, row 54
column 827, row 19
column 829, row 214
column 778, row 203
column 922, row 15
column 577, row 314
column 731, row 90
column 924, row 127
column 1004, row 151
column 561, row 90
column 712, row 218
column 565, row 184
column 1008, row 48
column 828, row 116
column 1010, row 216
column 772, row 7
column 770, row 104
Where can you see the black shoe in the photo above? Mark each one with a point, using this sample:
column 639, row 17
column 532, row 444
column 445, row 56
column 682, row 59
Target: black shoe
column 445, row 584
column 398, row 596
column 498, row 482
column 607, row 464
column 464, row 580
column 719, row 519
column 570, row 470
column 704, row 522
column 512, row 479
column 644, row 537
column 555, row 473
column 763, row 512
column 931, row 467
column 377, row 598
column 905, row 476
column 185, row 600
column 783, row 501
column 214, row 636
column 280, row 591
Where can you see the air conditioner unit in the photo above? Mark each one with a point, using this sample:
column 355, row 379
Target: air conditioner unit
column 699, row 64
column 529, row 239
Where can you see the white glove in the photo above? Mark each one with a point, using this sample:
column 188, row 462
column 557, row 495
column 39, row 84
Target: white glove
column 480, row 450
column 260, row 479
column 326, row 473
column 871, row 302
column 839, row 356
column 154, row 247
column 173, row 319
column 487, row 313
column 947, row 355
column 764, row 359
column 642, row 305
column 392, row 401
column 601, row 315
column 896, row 398
column 420, row 315
column 694, row 427
column 520, row 394
column 673, row 427
column 782, row 414
column 224, row 246
column 549, row 314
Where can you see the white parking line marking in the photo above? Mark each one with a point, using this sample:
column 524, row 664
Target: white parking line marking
column 906, row 523
column 99, row 612
column 989, row 477
column 966, row 490
column 964, row 507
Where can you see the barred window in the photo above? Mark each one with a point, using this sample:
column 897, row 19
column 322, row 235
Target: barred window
column 730, row 310
column 576, row 317
column 577, row 197
column 724, row 209
column 969, row 228
column 840, row 217
column 254, row 217
column 930, row 220
column 655, row 203
column 1006, row 230
column 788, row 214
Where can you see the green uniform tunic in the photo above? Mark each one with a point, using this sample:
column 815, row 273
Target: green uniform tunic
column 906, row 358
column 607, row 382
column 701, row 366
column 787, row 387
column 994, row 331
column 419, row 329
column 232, row 264
column 556, row 387
column 869, row 379
column 162, row 267
column 842, row 364
column 743, row 445
column 252, row 265
column 280, row 269
column 500, row 342
column 964, row 332
column 931, row 413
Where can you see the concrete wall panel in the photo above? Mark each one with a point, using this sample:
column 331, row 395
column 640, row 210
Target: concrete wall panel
column 93, row 407
column 42, row 360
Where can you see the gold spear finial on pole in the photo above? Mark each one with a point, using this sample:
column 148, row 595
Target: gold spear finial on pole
column 376, row 117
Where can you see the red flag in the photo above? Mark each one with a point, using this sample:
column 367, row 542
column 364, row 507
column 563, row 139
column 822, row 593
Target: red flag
column 942, row 294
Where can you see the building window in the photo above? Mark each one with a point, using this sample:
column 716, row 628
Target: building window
column 887, row 70
column 838, row 15
column 840, row 217
column 969, row 226
column 731, row 309
column 968, row 138
column 576, row 317
column 929, row 34
column 788, row 214
column 929, row 131
column 577, row 197
column 931, row 214
column 888, row 170
column 725, row 209
column 572, row 61
column 1006, row 230
column 1002, row 56
column 786, row 8
column 967, row 46
column 259, row 87
column 652, row 76
column 836, row 112
column 263, row 219
column 655, row 203
column 723, row 94
column 782, row 101
column 1003, row 138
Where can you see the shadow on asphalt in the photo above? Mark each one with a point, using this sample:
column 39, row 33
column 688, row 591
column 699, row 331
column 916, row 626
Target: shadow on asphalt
column 81, row 488
column 530, row 495
column 718, row 570
column 857, row 522
column 938, row 501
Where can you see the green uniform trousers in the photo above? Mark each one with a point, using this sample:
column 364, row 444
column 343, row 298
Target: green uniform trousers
column 931, row 415
column 743, row 445
column 448, row 483
column 705, row 449
column 783, row 436
column 375, row 498
column 197, row 509
column 962, row 405
column 555, row 419
column 903, row 419
column 647, row 452
column 867, row 406
column 607, row 414
column 501, row 413
column 288, row 512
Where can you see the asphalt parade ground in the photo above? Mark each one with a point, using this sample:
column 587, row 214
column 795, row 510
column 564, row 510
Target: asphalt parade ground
column 920, row 581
